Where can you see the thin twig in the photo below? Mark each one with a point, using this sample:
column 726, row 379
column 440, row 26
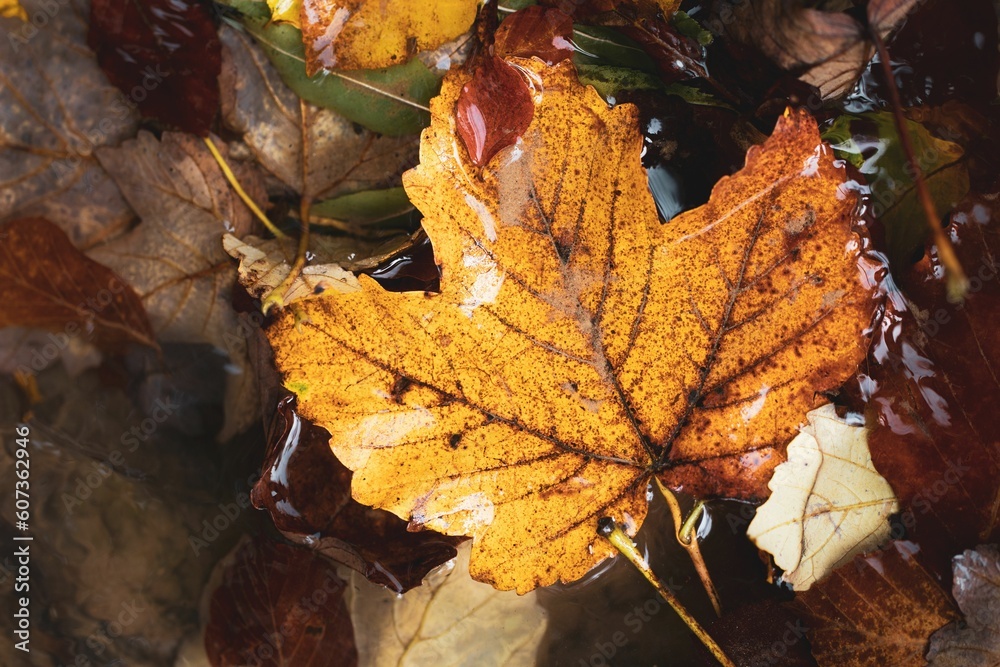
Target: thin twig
column 251, row 204
column 627, row 548
column 958, row 284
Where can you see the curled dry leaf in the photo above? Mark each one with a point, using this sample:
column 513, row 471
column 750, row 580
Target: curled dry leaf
column 848, row 629
column 58, row 108
column 827, row 504
column 976, row 587
column 369, row 34
column 46, row 283
column 450, row 621
column 264, row 265
column 530, row 398
column 279, row 606
column 174, row 257
column 831, row 49
column 163, row 54
column 314, row 151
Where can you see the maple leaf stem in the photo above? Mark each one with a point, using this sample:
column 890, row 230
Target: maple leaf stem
column 231, row 177
column 614, row 534
column 687, row 539
column 957, row 281
column 276, row 296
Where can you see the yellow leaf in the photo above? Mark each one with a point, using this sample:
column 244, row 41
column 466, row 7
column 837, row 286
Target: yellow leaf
column 668, row 7
column 369, row 34
column 449, row 621
column 285, row 11
column 12, row 9
column 578, row 346
column 828, row 502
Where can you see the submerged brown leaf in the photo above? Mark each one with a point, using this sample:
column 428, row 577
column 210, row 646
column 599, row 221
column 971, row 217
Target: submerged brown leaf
column 279, row 606
column 308, row 494
column 174, row 257
column 878, row 610
column 58, row 107
column 535, row 393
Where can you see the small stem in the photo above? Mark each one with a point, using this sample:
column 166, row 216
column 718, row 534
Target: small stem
column 687, row 539
column 251, row 204
column 614, row 534
column 276, row 296
column 957, row 282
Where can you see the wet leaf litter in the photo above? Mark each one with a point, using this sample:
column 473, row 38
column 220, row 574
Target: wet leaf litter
column 599, row 331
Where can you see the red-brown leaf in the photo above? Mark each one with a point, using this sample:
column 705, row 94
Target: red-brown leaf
column 45, row 282
column 279, row 606
column 535, row 31
column 163, row 54
column 493, row 110
column 308, row 493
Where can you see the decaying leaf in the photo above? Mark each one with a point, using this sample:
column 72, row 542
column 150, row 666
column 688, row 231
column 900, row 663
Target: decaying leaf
column 831, row 49
column 307, row 491
column 163, row 54
column 45, row 282
column 931, row 384
column 451, row 620
column 533, row 396
column 493, row 110
column 279, row 606
column 890, row 176
column 827, row 504
column 850, row 629
column 316, row 152
column 264, row 265
column 368, row 34
column 58, row 108
column 174, row 258
column 976, row 587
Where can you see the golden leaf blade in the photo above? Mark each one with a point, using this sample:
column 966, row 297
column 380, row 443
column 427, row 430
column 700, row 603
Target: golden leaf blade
column 577, row 344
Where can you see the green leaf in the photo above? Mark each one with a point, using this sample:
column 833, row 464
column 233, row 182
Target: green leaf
column 878, row 154
column 365, row 213
column 392, row 101
column 611, row 81
column 688, row 27
column 604, row 46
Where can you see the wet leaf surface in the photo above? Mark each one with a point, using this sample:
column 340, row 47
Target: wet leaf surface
column 163, row 54
column 308, row 494
column 847, row 629
column 46, row 283
column 937, row 438
column 368, row 34
column 535, row 31
column 58, row 108
column 493, row 110
column 279, row 606
column 557, row 368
